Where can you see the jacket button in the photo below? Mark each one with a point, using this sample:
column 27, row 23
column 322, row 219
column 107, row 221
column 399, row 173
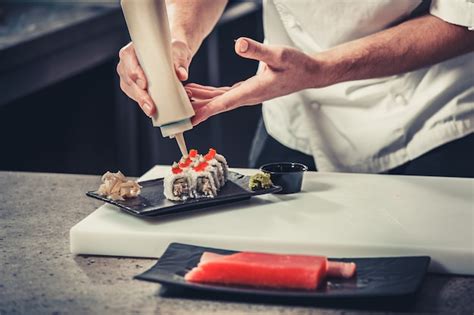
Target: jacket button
column 400, row 99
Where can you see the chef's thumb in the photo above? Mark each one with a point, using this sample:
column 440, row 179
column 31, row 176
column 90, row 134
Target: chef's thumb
column 181, row 68
column 182, row 73
column 248, row 48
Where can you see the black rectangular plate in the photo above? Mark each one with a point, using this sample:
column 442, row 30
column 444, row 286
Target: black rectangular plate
column 375, row 278
column 152, row 203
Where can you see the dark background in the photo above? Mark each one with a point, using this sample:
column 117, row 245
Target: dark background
column 61, row 109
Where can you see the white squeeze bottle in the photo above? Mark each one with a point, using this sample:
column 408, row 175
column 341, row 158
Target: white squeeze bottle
column 147, row 23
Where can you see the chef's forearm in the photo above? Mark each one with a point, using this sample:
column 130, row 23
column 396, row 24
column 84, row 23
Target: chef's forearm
column 191, row 21
column 406, row 47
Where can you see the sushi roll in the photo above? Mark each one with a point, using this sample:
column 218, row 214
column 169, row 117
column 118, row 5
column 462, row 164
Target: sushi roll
column 213, row 169
column 225, row 167
column 216, row 167
column 178, row 185
column 218, row 172
column 196, row 176
column 203, row 181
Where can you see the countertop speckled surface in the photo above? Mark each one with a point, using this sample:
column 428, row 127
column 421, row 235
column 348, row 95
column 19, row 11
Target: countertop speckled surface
column 38, row 275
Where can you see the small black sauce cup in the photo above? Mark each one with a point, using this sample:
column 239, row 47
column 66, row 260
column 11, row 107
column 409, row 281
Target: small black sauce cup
column 288, row 175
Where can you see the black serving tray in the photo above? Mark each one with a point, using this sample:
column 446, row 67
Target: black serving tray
column 386, row 277
column 152, row 203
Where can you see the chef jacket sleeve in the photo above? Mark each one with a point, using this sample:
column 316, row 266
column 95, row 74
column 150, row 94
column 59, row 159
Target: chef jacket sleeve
column 459, row 12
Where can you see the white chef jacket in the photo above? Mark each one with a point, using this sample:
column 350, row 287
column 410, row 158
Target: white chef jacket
column 368, row 125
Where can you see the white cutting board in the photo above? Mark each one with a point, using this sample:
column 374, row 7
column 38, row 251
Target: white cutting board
column 338, row 215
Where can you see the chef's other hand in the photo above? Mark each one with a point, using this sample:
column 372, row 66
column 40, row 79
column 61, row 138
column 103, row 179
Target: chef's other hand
column 132, row 78
column 284, row 70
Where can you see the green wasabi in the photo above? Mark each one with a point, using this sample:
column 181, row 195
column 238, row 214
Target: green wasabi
column 260, row 181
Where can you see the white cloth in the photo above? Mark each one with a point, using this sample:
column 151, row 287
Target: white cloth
column 368, row 125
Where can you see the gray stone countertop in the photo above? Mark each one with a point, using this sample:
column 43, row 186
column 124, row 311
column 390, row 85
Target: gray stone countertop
column 39, row 275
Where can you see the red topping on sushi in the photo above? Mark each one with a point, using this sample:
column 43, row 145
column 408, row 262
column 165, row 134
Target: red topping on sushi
column 193, row 153
column 186, row 163
column 210, row 155
column 176, row 170
column 201, row 167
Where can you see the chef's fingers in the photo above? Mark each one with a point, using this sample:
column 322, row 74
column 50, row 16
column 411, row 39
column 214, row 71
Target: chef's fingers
column 127, row 89
column 248, row 92
column 274, row 56
column 132, row 69
column 121, row 73
column 195, row 85
column 190, row 94
column 203, row 93
column 138, row 76
column 181, row 72
column 196, row 103
column 200, row 115
column 144, row 100
column 125, row 54
column 206, row 87
column 140, row 96
column 203, row 109
column 181, row 59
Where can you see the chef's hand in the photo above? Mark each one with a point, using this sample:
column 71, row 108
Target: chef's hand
column 132, row 78
column 285, row 70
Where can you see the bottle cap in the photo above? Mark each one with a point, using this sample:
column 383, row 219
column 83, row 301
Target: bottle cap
column 169, row 130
